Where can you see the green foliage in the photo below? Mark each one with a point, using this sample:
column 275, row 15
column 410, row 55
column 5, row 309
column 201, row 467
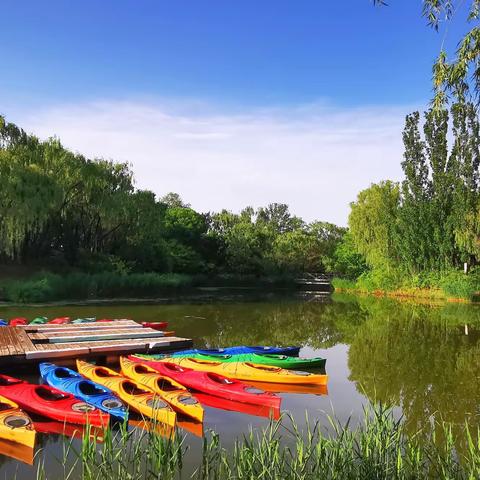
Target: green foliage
column 346, row 260
column 63, row 212
column 431, row 223
column 456, row 284
column 372, row 222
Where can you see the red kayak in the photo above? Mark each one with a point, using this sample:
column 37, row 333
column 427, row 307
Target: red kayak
column 51, row 402
column 213, row 384
column 247, row 408
column 15, row 322
column 155, row 325
column 59, row 321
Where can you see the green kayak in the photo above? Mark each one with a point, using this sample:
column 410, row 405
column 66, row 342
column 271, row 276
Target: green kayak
column 39, row 321
column 84, row 320
column 259, row 358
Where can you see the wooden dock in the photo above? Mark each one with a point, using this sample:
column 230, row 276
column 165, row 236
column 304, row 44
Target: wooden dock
column 31, row 343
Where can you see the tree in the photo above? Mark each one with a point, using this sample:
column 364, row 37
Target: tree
column 373, row 223
column 173, row 200
column 277, row 216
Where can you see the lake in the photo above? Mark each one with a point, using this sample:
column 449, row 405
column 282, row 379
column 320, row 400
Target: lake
column 423, row 359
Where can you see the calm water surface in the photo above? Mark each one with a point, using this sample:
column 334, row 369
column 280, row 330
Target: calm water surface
column 422, row 359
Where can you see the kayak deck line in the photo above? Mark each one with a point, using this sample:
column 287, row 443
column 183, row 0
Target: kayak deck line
column 32, row 343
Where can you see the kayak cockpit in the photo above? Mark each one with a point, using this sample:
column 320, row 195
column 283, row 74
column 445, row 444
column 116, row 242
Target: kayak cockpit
column 219, row 379
column 167, row 385
column 50, row 395
column 89, row 388
column 131, row 389
column 61, row 372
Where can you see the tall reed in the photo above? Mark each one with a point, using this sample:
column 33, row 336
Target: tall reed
column 379, row 447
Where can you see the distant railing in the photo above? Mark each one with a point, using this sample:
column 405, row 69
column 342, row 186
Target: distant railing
column 315, row 281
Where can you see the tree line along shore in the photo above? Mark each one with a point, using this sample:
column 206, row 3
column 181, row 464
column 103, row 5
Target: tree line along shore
column 77, row 228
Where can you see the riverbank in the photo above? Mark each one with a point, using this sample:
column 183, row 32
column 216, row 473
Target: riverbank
column 51, row 287
column 453, row 285
column 379, row 447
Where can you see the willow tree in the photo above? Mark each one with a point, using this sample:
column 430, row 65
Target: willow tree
column 373, row 223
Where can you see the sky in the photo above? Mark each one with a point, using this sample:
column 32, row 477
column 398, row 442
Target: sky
column 228, row 103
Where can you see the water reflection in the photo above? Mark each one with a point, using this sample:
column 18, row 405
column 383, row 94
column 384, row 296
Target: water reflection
column 424, row 359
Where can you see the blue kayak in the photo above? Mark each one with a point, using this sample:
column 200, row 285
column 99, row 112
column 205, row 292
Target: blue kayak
column 3, row 323
column 290, row 351
column 93, row 393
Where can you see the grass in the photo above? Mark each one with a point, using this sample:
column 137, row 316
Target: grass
column 47, row 287
column 451, row 284
column 378, row 448
column 78, row 286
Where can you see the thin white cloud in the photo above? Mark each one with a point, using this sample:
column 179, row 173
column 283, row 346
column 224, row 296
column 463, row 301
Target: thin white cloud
column 313, row 157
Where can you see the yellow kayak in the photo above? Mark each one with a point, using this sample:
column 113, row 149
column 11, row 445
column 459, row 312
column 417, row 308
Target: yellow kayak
column 139, row 397
column 250, row 371
column 15, row 425
column 171, row 391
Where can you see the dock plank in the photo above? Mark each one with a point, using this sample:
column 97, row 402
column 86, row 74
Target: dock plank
column 94, row 335
column 92, row 325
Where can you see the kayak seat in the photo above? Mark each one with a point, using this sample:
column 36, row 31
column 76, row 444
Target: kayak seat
column 205, row 362
column 4, row 407
column 6, row 381
column 263, row 367
column 102, row 372
column 165, row 385
column 131, row 389
column 49, row 395
column 142, row 369
column 88, row 388
column 219, row 379
column 63, row 373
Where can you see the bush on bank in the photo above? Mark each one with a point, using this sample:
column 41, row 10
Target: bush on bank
column 447, row 284
column 46, row 287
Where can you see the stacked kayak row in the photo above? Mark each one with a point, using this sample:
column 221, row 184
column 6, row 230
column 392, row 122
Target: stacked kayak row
column 156, row 387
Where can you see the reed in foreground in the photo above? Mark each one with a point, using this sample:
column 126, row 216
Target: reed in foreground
column 377, row 448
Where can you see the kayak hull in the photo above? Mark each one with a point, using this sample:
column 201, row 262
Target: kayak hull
column 15, row 425
column 155, row 325
column 290, row 351
column 247, row 371
column 212, row 384
column 138, row 397
column 51, row 402
column 282, row 361
column 17, row 322
column 175, row 394
column 93, row 393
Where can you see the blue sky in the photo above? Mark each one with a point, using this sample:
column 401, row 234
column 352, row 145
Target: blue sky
column 221, row 63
